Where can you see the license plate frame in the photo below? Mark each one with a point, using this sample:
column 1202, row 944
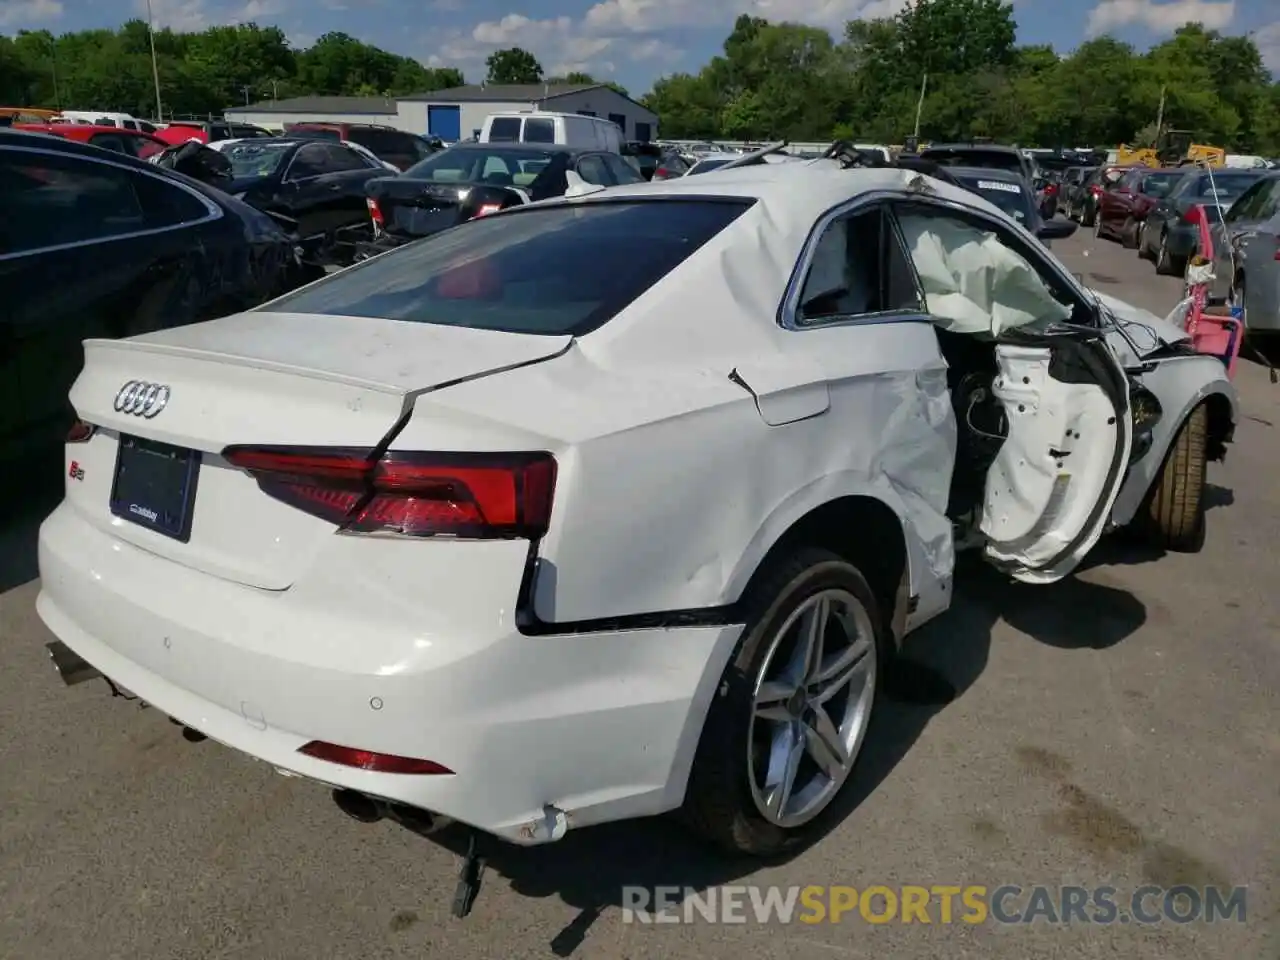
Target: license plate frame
column 154, row 486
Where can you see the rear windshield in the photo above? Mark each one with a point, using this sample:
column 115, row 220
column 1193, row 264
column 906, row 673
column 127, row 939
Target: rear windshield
column 1227, row 186
column 501, row 167
column 382, row 141
column 525, row 272
column 1009, row 197
column 316, row 133
column 1158, row 184
column 706, row 166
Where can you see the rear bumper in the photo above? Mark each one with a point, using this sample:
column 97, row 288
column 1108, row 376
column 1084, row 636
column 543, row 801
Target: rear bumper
column 601, row 726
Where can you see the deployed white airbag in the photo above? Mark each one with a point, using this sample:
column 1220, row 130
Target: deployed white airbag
column 972, row 282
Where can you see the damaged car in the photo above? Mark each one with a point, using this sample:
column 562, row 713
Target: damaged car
column 480, row 533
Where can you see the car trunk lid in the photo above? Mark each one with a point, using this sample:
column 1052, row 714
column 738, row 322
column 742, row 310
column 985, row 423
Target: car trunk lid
column 417, row 208
column 255, row 378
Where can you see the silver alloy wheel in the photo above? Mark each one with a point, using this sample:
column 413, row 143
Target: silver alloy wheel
column 1141, row 237
column 813, row 699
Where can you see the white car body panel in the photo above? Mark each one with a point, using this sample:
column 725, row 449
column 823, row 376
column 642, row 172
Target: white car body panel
column 564, row 680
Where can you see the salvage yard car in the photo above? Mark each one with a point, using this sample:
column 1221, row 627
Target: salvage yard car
column 474, row 530
column 99, row 244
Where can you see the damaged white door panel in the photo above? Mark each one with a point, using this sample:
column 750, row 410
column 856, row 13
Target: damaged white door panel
column 1050, row 490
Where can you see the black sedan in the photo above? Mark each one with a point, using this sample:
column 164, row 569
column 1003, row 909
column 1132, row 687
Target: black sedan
column 1010, row 191
column 315, row 183
column 1171, row 234
column 469, row 180
column 98, row 244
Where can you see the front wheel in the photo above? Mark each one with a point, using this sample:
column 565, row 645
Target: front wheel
column 1175, row 509
column 787, row 724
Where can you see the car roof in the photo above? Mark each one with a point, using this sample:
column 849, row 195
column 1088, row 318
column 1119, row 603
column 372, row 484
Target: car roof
column 988, row 173
column 86, row 128
column 796, row 194
column 516, row 145
column 967, row 146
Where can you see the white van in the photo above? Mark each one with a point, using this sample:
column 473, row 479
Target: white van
column 106, row 118
column 564, row 129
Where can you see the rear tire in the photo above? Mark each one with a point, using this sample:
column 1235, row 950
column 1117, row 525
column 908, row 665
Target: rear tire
column 1175, row 508
column 727, row 798
column 1129, row 234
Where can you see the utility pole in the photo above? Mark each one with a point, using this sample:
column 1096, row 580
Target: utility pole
column 246, row 88
column 155, row 68
column 53, row 59
column 924, row 85
column 1160, row 115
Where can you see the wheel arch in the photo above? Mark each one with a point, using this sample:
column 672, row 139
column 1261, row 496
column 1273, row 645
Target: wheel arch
column 1180, row 390
column 860, row 527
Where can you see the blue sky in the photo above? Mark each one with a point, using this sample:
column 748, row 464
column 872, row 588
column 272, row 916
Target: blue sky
column 631, row 41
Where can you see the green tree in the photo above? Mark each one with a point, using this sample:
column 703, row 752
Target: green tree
column 513, row 65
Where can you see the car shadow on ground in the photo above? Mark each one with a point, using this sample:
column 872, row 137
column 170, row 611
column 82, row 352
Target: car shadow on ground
column 589, row 868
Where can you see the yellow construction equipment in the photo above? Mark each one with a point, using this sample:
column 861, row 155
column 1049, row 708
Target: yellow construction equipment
column 1175, row 149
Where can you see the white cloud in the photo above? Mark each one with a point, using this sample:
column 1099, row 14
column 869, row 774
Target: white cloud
column 624, row 28
column 643, row 16
column 1159, row 17
column 257, row 10
column 183, row 15
column 1268, row 40
column 26, row 13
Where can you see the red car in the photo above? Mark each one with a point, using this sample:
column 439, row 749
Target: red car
column 132, row 143
column 1122, row 208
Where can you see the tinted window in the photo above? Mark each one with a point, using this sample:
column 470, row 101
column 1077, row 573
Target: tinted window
column 51, row 200
column 504, row 129
column 858, row 267
column 239, row 133
column 522, row 272
column 316, row 133
column 592, row 169
column 1158, row 184
column 624, row 172
column 540, row 131
column 383, row 141
column 338, row 159
column 1228, row 187
column 166, row 204
column 468, row 165
column 1008, row 196
column 309, row 161
column 115, row 142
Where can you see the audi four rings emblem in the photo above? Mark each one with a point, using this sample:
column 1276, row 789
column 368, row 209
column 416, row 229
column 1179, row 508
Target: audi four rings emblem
column 142, row 399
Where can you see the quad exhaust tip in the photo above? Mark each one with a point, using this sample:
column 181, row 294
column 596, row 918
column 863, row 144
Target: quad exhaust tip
column 71, row 667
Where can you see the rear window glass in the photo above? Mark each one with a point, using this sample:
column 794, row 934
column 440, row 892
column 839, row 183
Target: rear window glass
column 382, row 141
column 505, row 129
column 523, row 272
column 316, row 133
column 540, row 131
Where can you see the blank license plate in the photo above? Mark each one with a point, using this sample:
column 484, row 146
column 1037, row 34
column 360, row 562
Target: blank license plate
column 155, row 486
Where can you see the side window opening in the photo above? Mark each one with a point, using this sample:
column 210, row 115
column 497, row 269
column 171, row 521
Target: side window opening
column 976, row 279
column 858, row 268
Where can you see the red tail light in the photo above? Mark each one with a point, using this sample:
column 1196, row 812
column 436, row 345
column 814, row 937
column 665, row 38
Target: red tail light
column 662, row 173
column 1096, row 190
column 1192, row 215
column 375, row 212
column 368, row 760
column 483, row 496
column 1051, row 190
column 81, row 432
column 488, row 208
